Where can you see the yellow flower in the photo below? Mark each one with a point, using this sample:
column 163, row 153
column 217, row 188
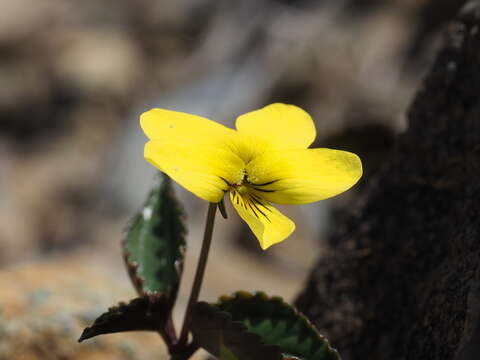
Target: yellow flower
column 266, row 160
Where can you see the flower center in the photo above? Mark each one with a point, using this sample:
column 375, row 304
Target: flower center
column 242, row 186
column 246, row 185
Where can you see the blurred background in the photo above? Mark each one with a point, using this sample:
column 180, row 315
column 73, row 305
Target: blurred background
column 74, row 77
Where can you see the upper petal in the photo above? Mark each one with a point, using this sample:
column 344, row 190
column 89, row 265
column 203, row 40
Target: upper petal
column 162, row 124
column 281, row 126
column 268, row 224
column 203, row 170
column 303, row 176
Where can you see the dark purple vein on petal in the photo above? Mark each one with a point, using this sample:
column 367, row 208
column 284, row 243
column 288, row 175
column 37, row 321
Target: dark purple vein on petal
column 257, row 200
column 260, row 211
column 226, row 182
column 242, row 202
column 263, row 190
column 265, row 184
column 253, row 210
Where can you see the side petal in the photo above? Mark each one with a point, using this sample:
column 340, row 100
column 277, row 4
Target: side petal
column 282, row 126
column 303, row 176
column 168, row 125
column 203, row 170
column 268, row 224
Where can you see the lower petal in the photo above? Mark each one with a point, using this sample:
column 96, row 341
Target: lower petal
column 268, row 224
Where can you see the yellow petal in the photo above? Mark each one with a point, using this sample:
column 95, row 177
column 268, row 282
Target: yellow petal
column 303, row 176
column 168, row 125
column 281, row 126
column 203, row 170
column 268, row 224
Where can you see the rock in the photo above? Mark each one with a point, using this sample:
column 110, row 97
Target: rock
column 45, row 306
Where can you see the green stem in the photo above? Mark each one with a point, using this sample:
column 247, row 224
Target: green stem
column 197, row 282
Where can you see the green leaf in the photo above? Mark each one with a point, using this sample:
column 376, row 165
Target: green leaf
column 272, row 320
column 145, row 313
column 215, row 331
column 154, row 248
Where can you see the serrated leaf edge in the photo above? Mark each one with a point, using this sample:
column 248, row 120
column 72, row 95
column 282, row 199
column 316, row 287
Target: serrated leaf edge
column 238, row 326
column 263, row 296
column 132, row 266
